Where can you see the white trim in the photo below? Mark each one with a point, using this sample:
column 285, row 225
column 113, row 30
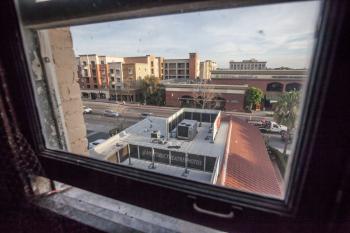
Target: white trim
column 222, row 91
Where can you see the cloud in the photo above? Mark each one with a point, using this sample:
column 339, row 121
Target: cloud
column 282, row 34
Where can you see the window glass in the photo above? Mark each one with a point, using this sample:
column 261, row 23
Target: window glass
column 225, row 113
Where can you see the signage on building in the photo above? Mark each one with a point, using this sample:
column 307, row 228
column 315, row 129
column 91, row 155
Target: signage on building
column 174, row 158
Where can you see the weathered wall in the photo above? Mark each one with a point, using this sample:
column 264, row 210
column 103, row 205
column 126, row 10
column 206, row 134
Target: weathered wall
column 68, row 88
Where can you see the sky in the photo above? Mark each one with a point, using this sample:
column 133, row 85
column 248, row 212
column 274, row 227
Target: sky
column 281, row 34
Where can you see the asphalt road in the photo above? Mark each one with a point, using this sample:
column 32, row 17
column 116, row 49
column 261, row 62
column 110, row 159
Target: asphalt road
column 129, row 110
column 135, row 110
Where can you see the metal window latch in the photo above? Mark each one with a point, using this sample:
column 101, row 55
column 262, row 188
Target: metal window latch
column 212, row 213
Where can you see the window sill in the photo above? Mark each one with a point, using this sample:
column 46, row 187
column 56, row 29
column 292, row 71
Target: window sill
column 108, row 215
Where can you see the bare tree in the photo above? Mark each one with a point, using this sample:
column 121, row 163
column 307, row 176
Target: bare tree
column 203, row 96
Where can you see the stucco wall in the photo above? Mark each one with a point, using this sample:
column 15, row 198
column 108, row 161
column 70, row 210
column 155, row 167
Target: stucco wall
column 69, row 91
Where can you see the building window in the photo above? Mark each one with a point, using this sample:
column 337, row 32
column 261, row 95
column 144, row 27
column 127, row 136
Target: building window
column 152, row 71
column 102, row 62
column 152, row 63
column 198, row 117
column 293, row 87
column 93, row 72
column 85, row 72
column 117, row 72
column 112, row 79
column 84, row 63
column 93, row 63
column 88, row 86
column 275, row 86
column 87, row 80
column 111, row 71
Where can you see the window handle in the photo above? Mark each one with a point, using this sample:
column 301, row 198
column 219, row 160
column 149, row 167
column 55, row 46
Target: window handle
column 212, row 213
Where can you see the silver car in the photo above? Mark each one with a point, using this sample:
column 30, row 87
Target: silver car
column 95, row 143
column 111, row 113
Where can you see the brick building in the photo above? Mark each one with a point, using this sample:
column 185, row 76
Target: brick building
column 273, row 82
column 94, row 75
column 230, row 85
column 224, row 97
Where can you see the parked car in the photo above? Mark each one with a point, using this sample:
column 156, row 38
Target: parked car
column 273, row 127
column 146, row 114
column 258, row 123
column 95, row 143
column 87, row 110
column 111, row 113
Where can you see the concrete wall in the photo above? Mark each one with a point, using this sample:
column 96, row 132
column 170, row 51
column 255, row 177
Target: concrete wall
column 69, row 91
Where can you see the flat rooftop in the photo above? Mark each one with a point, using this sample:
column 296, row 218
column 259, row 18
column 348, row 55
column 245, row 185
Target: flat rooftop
column 170, row 170
column 140, row 134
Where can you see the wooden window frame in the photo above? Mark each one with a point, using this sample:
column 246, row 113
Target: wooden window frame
column 124, row 184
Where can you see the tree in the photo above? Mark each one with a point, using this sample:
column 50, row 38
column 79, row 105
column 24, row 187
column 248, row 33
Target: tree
column 153, row 90
column 253, row 97
column 286, row 112
column 203, row 95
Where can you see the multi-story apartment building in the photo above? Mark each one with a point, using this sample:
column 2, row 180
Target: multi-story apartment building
column 93, row 73
column 133, row 74
column 182, row 68
column 205, row 69
column 251, row 64
column 116, row 78
column 154, row 64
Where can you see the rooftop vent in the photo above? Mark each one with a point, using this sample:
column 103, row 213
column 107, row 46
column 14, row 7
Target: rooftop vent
column 155, row 134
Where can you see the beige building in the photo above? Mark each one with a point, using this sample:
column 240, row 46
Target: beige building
column 133, row 74
column 251, row 64
column 154, row 64
column 182, row 68
column 205, row 69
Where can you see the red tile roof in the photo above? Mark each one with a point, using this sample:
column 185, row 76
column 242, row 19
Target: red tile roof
column 247, row 165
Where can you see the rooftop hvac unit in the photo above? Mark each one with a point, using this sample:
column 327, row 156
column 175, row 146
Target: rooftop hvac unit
column 187, row 129
column 155, row 134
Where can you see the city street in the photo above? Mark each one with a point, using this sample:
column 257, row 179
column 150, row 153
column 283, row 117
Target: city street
column 129, row 110
column 98, row 125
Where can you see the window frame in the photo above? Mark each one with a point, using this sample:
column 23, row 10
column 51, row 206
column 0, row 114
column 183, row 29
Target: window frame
column 57, row 164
